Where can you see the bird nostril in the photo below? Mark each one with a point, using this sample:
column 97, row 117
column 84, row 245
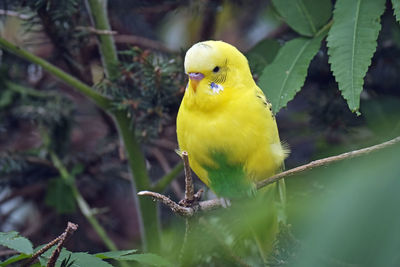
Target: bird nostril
column 196, row 75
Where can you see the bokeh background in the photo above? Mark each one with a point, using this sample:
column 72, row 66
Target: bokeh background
column 40, row 115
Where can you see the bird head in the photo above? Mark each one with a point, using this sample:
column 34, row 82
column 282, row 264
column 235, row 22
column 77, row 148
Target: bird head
column 213, row 66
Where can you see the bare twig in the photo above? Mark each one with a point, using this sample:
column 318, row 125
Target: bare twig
column 326, row 161
column 71, row 228
column 207, row 205
column 189, row 189
column 96, row 31
column 175, row 207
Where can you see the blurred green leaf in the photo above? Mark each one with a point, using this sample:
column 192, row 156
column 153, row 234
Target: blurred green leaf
column 282, row 79
column 6, row 98
column 128, row 255
column 352, row 43
column 382, row 116
column 14, row 259
column 262, row 54
column 14, row 241
column 79, row 259
column 305, row 16
column 115, row 254
column 355, row 219
column 60, row 196
column 396, row 9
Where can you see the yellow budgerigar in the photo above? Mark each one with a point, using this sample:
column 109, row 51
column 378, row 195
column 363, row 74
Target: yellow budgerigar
column 225, row 122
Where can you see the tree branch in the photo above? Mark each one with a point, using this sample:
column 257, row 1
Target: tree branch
column 71, row 228
column 216, row 203
column 326, row 161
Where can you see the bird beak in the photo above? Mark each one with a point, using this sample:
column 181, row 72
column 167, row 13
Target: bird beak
column 195, row 78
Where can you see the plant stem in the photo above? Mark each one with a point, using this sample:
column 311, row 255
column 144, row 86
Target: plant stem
column 98, row 13
column 99, row 99
column 150, row 229
column 83, row 205
column 147, row 209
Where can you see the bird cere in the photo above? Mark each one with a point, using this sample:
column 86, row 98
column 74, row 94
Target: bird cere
column 223, row 122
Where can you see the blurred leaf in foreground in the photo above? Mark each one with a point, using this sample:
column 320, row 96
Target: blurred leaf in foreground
column 356, row 220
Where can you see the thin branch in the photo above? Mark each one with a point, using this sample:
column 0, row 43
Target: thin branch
column 71, row 228
column 189, row 189
column 96, row 31
column 216, row 203
column 175, row 207
column 326, row 161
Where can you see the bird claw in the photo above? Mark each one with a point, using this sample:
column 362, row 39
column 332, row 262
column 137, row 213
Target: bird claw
column 191, row 202
column 225, row 203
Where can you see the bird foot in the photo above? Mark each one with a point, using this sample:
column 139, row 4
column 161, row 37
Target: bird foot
column 225, row 203
column 191, row 202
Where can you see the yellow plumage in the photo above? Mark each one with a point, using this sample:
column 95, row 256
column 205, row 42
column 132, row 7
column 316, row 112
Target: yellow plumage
column 225, row 122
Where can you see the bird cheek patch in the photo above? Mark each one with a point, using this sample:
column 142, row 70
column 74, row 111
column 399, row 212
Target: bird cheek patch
column 216, row 88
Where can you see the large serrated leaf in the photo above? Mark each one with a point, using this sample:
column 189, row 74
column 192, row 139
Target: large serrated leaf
column 262, row 54
column 14, row 241
column 282, row 79
column 352, row 43
column 396, row 9
column 304, row 16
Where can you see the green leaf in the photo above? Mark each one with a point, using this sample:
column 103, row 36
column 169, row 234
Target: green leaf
column 352, row 219
column 304, row 16
column 60, row 196
column 14, row 259
column 282, row 79
column 78, row 259
column 127, row 255
column 115, row 254
column 82, row 259
column 262, row 54
column 396, row 9
column 352, row 43
column 14, row 241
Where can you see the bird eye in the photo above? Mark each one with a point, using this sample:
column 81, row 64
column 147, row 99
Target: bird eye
column 216, row 69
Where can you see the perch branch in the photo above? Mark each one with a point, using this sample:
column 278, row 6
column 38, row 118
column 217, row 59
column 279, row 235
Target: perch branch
column 326, row 161
column 216, row 203
column 189, row 189
column 71, row 228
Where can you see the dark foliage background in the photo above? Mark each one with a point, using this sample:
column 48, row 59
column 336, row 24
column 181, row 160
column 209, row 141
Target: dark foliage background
column 40, row 116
